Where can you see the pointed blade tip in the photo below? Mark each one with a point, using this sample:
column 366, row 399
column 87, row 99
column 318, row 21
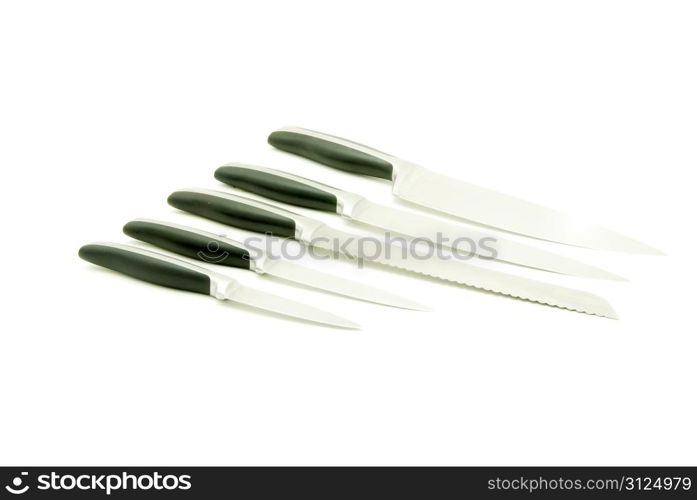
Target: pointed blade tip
column 349, row 325
column 656, row 252
column 411, row 306
column 331, row 320
column 597, row 273
column 639, row 248
column 423, row 309
column 611, row 314
column 605, row 310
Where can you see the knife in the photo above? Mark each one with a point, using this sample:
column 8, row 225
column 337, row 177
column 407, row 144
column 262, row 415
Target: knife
column 168, row 271
column 421, row 186
column 262, row 217
column 214, row 249
column 296, row 190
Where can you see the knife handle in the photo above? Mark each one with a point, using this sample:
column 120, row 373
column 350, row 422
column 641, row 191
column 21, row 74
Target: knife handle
column 148, row 266
column 334, row 152
column 280, row 186
column 189, row 242
column 242, row 212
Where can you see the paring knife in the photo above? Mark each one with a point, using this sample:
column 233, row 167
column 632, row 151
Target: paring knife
column 262, row 217
column 168, row 271
column 215, row 249
column 419, row 185
column 296, row 190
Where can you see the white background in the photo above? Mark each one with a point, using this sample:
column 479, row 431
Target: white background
column 107, row 107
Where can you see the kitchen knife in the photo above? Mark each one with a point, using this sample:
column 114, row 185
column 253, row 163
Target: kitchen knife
column 421, row 186
column 214, row 249
column 296, row 190
column 262, row 217
column 168, row 271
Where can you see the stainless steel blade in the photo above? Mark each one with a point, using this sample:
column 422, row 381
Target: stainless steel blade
column 424, row 187
column 280, row 305
column 263, row 264
column 434, row 230
column 464, row 273
column 335, row 284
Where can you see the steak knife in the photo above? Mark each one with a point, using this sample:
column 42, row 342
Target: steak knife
column 262, row 217
column 422, row 186
column 164, row 270
column 214, row 249
column 296, row 190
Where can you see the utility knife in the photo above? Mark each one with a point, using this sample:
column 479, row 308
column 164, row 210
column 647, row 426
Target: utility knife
column 171, row 272
column 419, row 185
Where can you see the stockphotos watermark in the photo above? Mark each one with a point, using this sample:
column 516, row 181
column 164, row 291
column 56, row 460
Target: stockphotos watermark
column 105, row 483
column 361, row 248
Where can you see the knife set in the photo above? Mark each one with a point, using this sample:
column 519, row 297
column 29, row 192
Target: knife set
column 410, row 182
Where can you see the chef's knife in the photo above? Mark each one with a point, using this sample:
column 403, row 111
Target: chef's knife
column 419, row 185
column 262, row 217
column 214, row 249
column 296, row 190
column 168, row 271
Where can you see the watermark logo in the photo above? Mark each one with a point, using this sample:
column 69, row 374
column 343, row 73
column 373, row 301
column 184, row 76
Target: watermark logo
column 213, row 255
column 360, row 248
column 106, row 483
column 16, row 488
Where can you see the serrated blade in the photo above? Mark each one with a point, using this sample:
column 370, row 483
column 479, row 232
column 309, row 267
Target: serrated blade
column 468, row 240
column 464, row 273
column 335, row 284
column 274, row 303
column 424, row 187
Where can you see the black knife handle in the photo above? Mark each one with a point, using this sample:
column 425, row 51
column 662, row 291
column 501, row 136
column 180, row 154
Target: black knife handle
column 276, row 187
column 333, row 152
column 147, row 266
column 234, row 213
column 190, row 243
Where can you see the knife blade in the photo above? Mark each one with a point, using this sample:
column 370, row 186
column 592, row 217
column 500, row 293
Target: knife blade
column 164, row 270
column 421, row 186
column 214, row 249
column 296, row 190
column 262, row 217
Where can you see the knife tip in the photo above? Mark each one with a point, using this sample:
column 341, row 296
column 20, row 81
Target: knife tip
column 423, row 309
column 656, row 252
column 644, row 249
column 638, row 248
column 607, row 312
column 414, row 306
column 347, row 324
